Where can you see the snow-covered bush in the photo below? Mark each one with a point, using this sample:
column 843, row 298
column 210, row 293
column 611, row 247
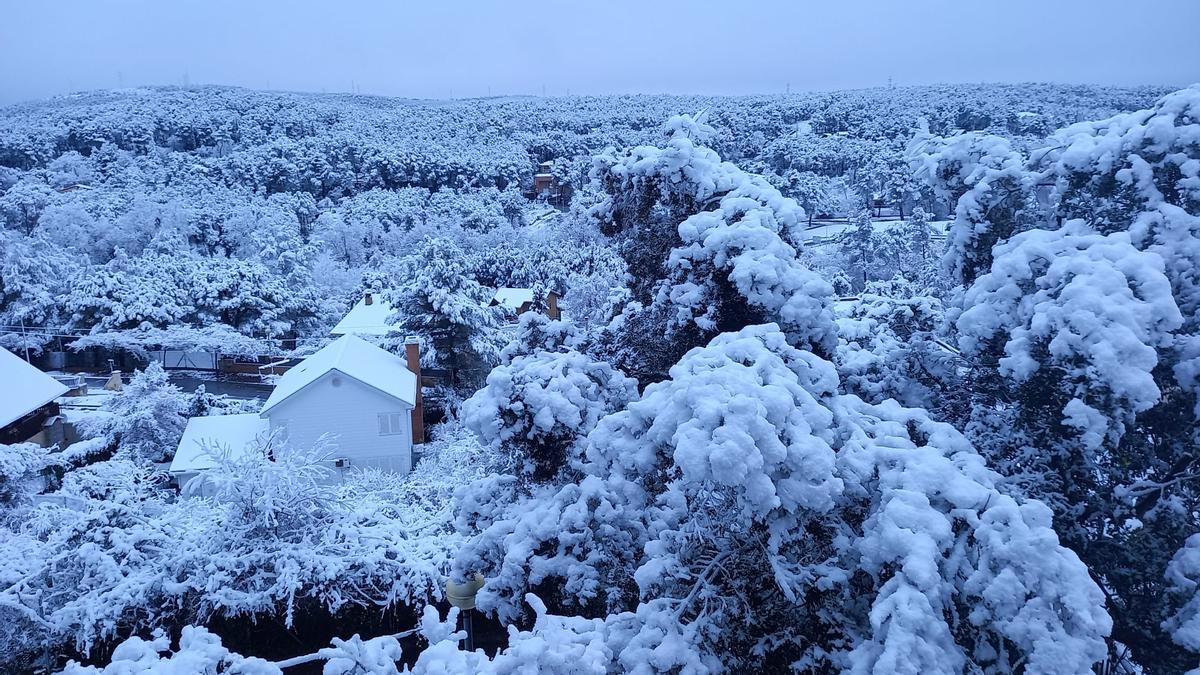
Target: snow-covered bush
column 119, row 556
column 1092, row 307
column 21, row 466
column 744, row 512
column 199, row 653
column 889, row 348
column 536, row 407
column 146, row 419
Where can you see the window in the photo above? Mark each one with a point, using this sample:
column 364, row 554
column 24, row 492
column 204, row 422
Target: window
column 391, row 424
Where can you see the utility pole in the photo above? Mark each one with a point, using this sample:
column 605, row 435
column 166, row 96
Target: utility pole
column 25, row 340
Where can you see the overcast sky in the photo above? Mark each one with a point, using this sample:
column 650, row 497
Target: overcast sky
column 455, row 48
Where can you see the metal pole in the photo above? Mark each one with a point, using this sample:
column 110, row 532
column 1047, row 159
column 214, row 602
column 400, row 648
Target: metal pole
column 469, row 643
column 25, row 340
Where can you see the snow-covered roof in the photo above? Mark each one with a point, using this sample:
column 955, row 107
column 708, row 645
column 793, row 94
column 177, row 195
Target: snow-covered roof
column 364, row 319
column 23, row 388
column 218, row 433
column 512, row 298
column 355, row 358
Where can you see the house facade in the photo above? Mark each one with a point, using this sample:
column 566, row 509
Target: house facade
column 365, row 426
column 360, row 402
column 517, row 301
column 28, row 409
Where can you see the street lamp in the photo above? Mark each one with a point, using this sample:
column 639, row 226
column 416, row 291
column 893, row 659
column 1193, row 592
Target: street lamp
column 462, row 596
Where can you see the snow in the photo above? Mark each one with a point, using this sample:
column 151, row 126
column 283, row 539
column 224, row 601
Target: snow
column 367, row 320
column 218, row 433
column 736, row 240
column 830, row 233
column 355, row 358
column 23, row 388
column 1097, row 305
column 749, row 462
column 1183, row 575
column 791, row 480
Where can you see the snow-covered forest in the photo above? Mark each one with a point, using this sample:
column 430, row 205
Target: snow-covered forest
column 896, row 380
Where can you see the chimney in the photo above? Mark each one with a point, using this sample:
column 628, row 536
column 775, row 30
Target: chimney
column 552, row 306
column 367, row 299
column 412, row 354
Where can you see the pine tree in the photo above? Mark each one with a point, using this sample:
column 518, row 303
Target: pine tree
column 436, row 299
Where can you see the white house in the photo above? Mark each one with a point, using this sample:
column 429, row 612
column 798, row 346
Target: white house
column 26, row 400
column 367, row 318
column 205, row 436
column 363, row 399
column 517, row 301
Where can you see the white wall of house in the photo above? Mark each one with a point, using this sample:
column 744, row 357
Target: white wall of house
column 350, row 412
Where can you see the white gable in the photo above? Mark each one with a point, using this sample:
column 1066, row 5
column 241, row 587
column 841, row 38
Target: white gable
column 23, row 388
column 234, row 434
column 512, row 298
column 364, row 319
column 355, row 358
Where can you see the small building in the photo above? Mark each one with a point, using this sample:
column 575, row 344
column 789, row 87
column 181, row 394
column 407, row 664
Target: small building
column 204, row 437
column 517, row 301
column 546, row 186
column 544, row 182
column 363, row 399
column 27, row 402
column 367, row 318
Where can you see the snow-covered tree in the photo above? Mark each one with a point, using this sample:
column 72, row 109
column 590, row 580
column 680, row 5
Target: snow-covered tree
column 1078, row 312
column 890, row 348
column 734, row 511
column 34, row 276
column 1183, row 577
column 706, row 245
column 1089, row 308
column 436, row 299
column 861, row 246
column 146, row 419
column 984, row 181
column 534, row 409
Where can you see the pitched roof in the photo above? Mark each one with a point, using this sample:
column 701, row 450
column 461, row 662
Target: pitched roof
column 355, row 358
column 364, row 319
column 23, row 388
column 512, row 298
column 218, row 433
